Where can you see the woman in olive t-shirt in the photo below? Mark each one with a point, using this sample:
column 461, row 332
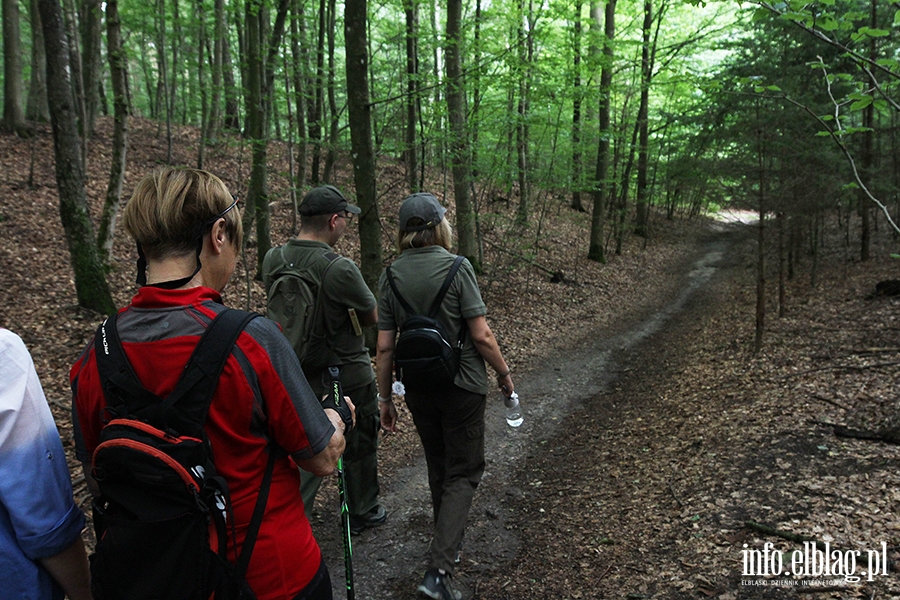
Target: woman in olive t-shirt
column 449, row 419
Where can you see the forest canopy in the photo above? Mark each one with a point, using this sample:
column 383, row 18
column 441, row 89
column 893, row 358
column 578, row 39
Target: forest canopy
column 618, row 109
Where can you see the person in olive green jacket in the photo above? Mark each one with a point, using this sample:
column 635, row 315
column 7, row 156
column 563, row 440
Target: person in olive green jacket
column 448, row 419
column 347, row 306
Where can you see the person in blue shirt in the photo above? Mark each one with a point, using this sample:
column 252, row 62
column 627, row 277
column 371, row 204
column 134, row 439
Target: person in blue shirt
column 42, row 555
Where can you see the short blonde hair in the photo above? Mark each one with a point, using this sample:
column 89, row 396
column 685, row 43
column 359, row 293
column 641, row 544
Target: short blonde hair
column 170, row 209
column 439, row 235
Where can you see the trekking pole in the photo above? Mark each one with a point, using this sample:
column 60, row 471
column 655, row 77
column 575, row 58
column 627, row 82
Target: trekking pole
column 338, row 395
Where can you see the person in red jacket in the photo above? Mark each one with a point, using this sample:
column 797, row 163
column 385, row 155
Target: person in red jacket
column 188, row 231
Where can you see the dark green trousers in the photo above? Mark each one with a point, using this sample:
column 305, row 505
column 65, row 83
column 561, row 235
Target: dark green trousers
column 450, row 423
column 360, row 459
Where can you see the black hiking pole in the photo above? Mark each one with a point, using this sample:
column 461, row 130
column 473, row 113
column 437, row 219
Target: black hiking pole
column 338, row 397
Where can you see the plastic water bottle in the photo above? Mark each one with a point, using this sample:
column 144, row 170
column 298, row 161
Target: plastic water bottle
column 513, row 410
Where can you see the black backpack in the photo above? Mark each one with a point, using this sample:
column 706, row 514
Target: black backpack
column 423, row 355
column 162, row 511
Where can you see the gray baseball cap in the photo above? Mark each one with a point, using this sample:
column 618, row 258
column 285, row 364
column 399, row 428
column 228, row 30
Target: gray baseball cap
column 425, row 207
column 325, row 200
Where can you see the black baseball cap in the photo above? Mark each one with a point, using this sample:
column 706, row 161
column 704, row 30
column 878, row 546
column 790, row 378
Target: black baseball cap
column 325, row 200
column 423, row 206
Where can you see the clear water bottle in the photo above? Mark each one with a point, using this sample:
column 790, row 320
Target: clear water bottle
column 513, row 410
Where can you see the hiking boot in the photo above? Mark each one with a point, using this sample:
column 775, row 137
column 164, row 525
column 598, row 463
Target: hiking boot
column 375, row 517
column 436, row 585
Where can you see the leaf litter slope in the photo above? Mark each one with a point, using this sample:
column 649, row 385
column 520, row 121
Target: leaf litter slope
column 629, row 495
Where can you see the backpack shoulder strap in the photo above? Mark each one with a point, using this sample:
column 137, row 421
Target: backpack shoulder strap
column 331, row 257
column 200, row 378
column 390, row 277
column 117, row 377
column 436, row 305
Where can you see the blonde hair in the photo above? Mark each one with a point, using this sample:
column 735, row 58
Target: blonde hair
column 170, row 209
column 439, row 235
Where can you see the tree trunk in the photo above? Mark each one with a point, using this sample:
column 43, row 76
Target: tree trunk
column 91, row 31
column 459, row 145
column 412, row 95
column 577, row 203
column 780, row 219
column 298, row 55
column 257, row 193
column 526, row 54
column 163, row 76
column 641, row 201
column 214, row 120
column 176, row 60
column 436, row 57
column 359, row 109
column 91, row 288
column 77, row 79
column 37, row 108
column 201, row 68
column 315, row 121
column 867, row 158
column 232, row 112
column 474, row 119
column 118, row 64
column 760, row 244
column 13, row 113
column 596, row 251
column 328, row 174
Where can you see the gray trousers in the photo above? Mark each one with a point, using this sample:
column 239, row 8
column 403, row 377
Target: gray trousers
column 360, row 459
column 450, row 423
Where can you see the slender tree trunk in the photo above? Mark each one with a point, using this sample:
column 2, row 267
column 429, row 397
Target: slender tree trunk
column 273, row 45
column 475, row 119
column 75, row 66
column 300, row 73
column 91, row 28
column 359, row 111
column 260, row 80
column 315, row 131
column 214, row 122
column 118, row 64
column 290, row 147
column 760, row 244
column 577, row 203
column 91, row 288
column 459, row 145
column 526, row 55
column 257, row 193
column 163, row 76
column 176, row 59
column 332, row 104
column 780, row 219
column 232, row 111
column 13, row 113
column 596, row 250
column 412, row 96
column 436, row 74
column 37, row 108
column 642, row 203
column 867, row 158
column 201, row 81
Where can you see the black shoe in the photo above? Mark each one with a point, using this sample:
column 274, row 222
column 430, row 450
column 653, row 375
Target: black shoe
column 436, row 585
column 375, row 517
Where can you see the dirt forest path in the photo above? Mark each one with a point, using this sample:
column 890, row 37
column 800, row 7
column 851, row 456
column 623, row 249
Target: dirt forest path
column 389, row 561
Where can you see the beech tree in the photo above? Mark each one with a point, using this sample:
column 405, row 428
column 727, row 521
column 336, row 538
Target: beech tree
column 596, row 249
column 118, row 70
column 37, row 109
column 90, row 284
column 459, row 145
column 359, row 108
column 13, row 112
